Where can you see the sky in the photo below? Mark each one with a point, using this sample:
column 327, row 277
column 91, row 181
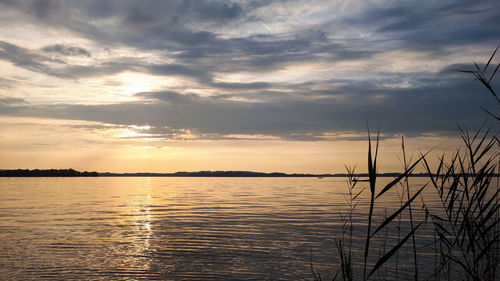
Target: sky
column 261, row 85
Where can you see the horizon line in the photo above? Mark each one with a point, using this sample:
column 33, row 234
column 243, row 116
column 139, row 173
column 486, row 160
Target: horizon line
column 207, row 173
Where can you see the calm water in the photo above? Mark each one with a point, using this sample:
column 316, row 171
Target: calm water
column 172, row 228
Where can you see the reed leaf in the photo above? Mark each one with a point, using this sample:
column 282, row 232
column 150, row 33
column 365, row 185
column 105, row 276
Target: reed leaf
column 494, row 72
column 400, row 177
column 488, row 247
column 488, row 63
column 395, row 214
column 389, row 254
column 372, row 172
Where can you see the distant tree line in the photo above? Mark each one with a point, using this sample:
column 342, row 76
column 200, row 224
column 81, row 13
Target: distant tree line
column 46, row 173
column 73, row 173
column 240, row 174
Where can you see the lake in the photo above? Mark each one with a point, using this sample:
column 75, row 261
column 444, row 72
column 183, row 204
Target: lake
column 166, row 228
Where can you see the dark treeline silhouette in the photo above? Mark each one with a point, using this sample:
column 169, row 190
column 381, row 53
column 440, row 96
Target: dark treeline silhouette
column 239, row 174
column 211, row 174
column 46, row 173
column 73, row 173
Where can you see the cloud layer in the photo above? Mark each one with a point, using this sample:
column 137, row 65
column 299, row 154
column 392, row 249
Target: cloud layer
column 290, row 69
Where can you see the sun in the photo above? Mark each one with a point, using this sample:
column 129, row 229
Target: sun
column 131, row 83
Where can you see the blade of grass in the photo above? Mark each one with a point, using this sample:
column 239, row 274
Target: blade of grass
column 395, row 214
column 372, row 173
column 494, row 72
column 488, row 63
column 389, row 254
column 398, row 179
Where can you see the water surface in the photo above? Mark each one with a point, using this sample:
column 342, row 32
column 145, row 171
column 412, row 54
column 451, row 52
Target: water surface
column 171, row 228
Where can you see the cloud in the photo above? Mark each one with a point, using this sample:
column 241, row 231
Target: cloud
column 24, row 58
column 427, row 25
column 11, row 101
column 432, row 104
column 215, row 9
column 31, row 60
column 150, row 12
column 7, row 83
column 237, row 85
column 168, row 96
column 43, row 8
column 358, row 51
column 187, row 32
column 66, row 50
column 178, row 69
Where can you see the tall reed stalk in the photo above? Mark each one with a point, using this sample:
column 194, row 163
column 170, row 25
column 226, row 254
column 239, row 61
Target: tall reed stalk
column 469, row 222
column 466, row 227
column 344, row 245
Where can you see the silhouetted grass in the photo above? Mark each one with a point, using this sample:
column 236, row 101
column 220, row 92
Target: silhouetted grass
column 482, row 76
column 466, row 226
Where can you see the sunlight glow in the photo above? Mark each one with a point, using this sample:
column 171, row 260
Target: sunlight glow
column 132, row 83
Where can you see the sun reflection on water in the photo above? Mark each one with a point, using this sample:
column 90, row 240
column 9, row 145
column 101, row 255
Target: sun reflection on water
column 141, row 225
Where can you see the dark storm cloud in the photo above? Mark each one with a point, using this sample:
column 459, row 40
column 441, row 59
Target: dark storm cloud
column 66, row 50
